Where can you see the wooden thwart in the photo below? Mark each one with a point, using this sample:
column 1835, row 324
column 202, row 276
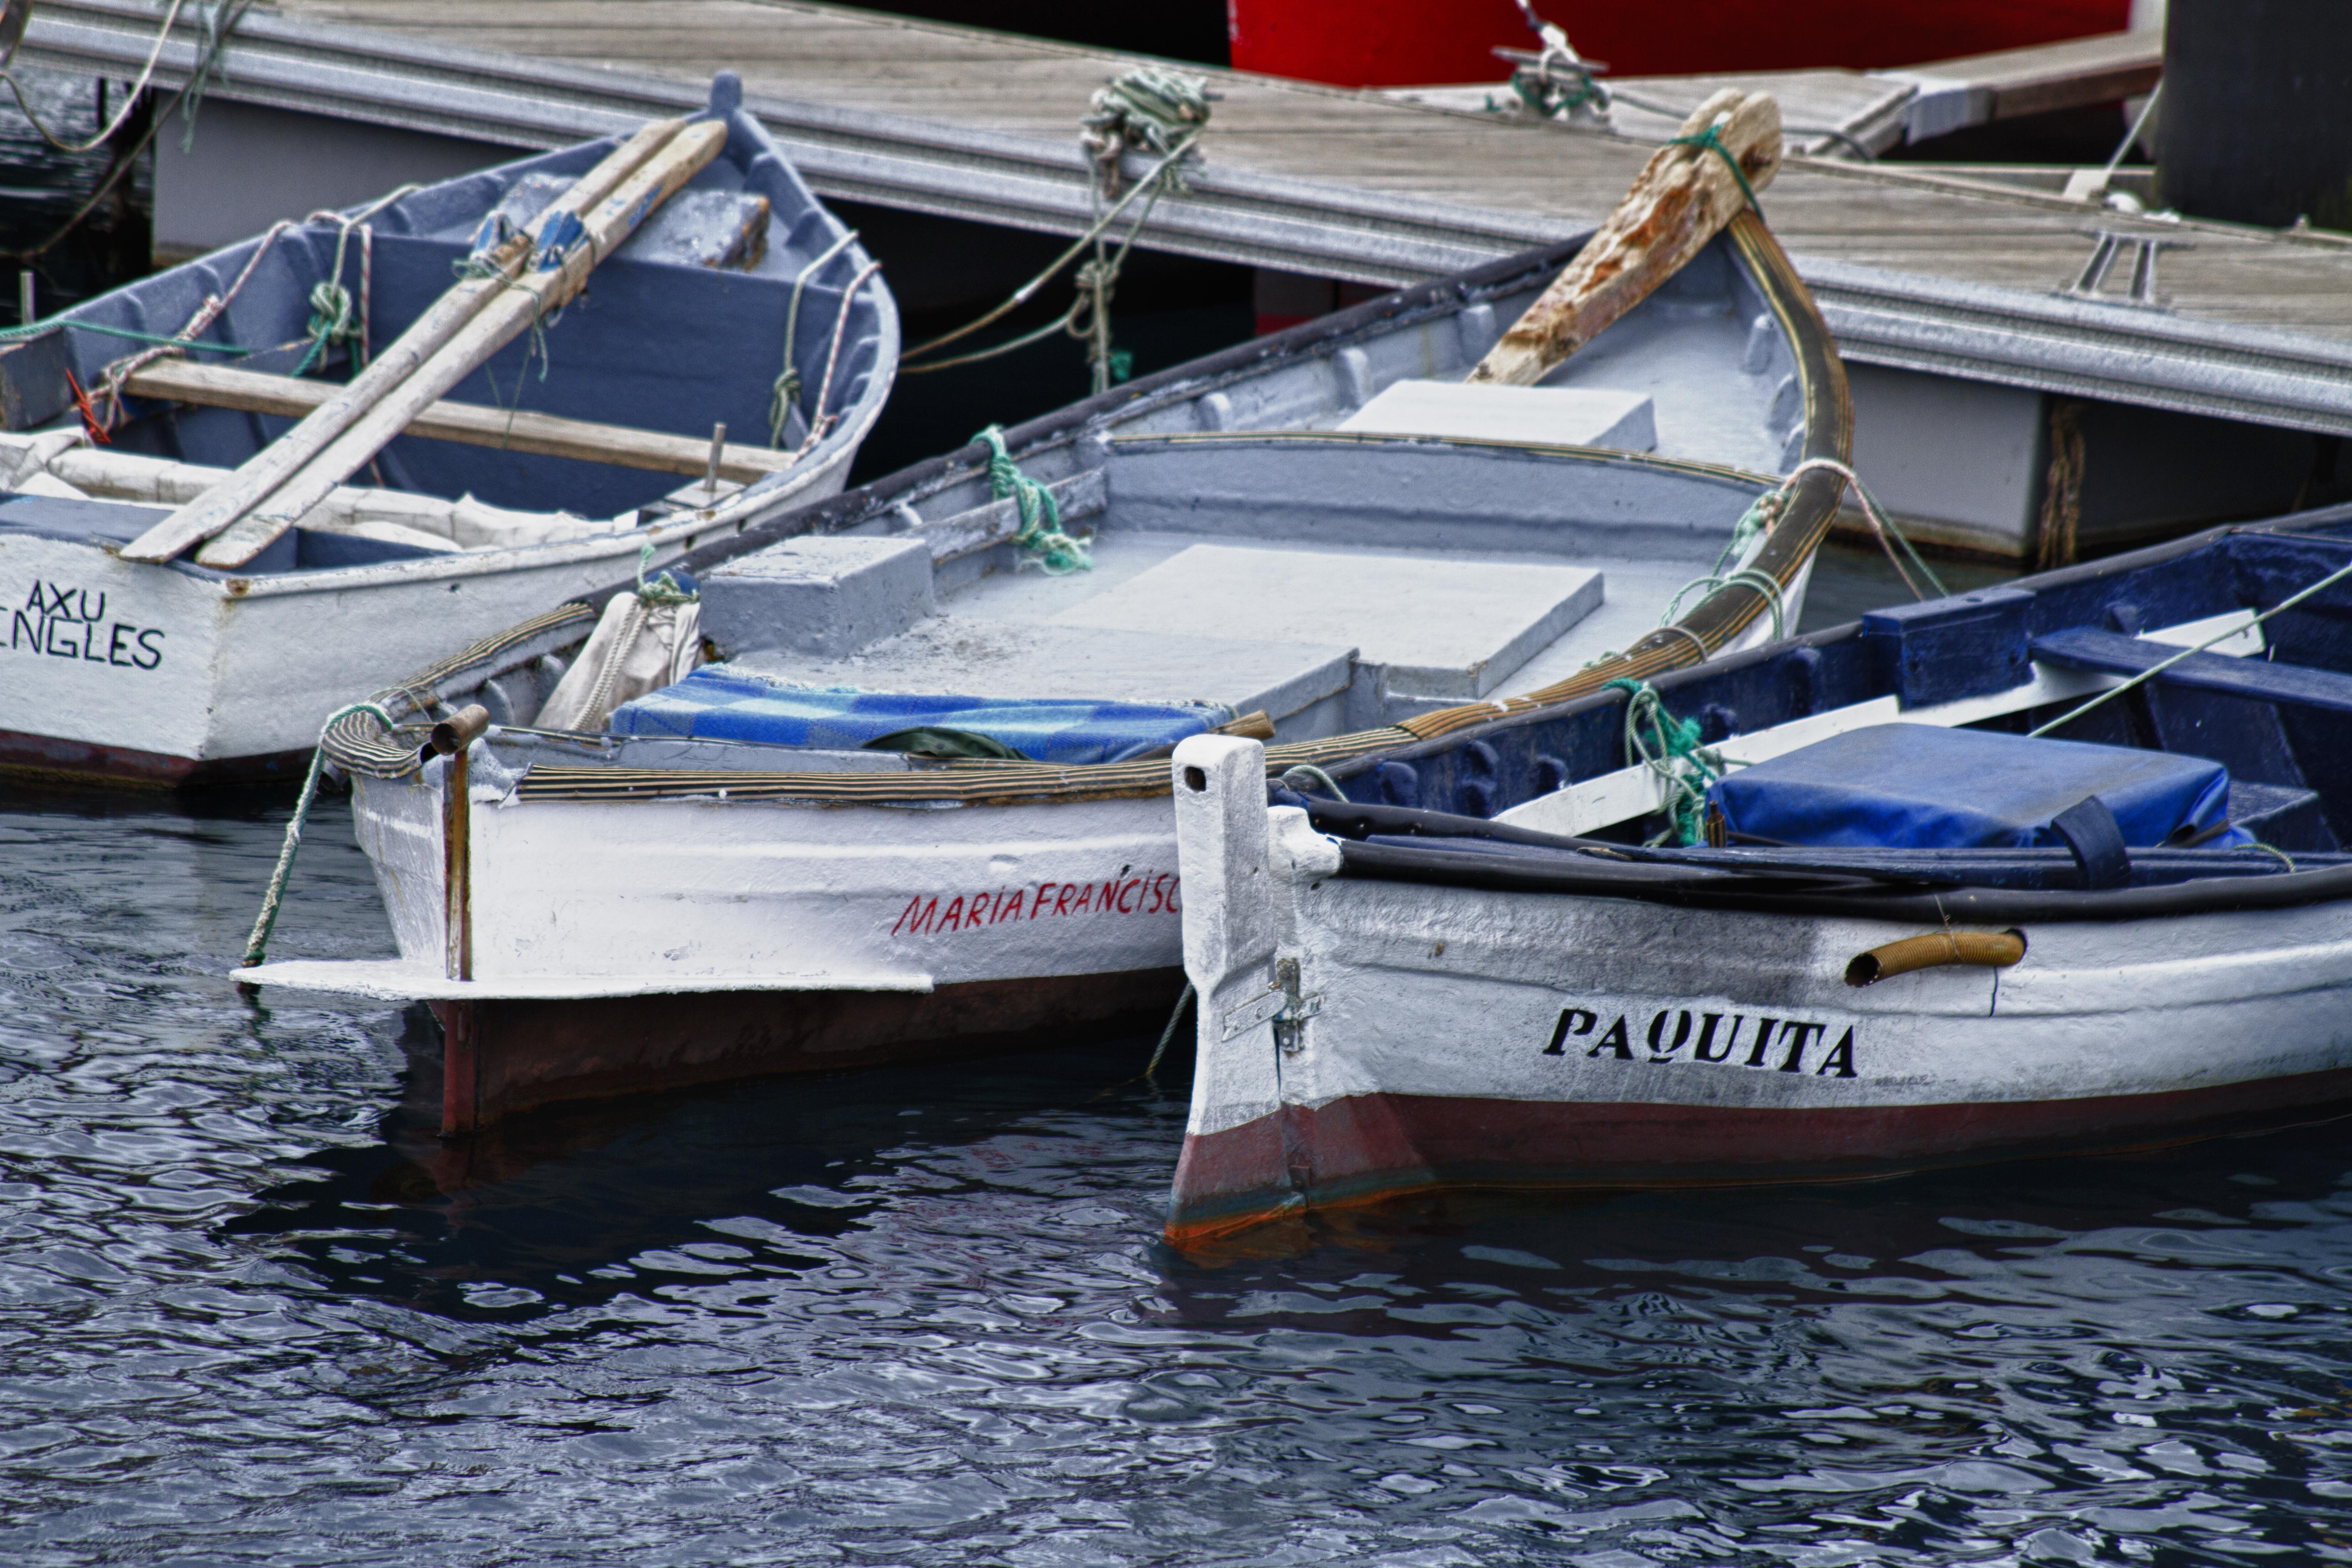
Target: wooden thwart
column 274, row 465
column 543, row 434
column 545, row 286
column 1683, row 194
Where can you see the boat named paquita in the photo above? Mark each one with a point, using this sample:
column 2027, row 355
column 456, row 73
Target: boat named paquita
column 1916, row 937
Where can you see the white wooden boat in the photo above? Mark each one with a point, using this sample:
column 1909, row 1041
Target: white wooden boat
column 1905, row 955
column 178, row 672
column 755, row 907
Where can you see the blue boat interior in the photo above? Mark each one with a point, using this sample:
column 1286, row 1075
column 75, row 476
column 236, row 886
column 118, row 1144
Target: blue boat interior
column 638, row 349
column 2251, row 783
column 1335, row 531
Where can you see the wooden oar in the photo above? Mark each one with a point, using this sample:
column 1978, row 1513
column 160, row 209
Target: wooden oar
column 475, row 424
column 1684, row 193
column 267, row 469
column 545, row 286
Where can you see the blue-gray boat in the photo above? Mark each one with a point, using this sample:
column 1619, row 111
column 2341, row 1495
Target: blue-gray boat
column 546, row 472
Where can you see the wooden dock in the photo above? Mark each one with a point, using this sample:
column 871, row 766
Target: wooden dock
column 1916, row 267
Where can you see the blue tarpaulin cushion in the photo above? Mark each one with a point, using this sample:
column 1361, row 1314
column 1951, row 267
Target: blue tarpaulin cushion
column 1920, row 786
column 716, row 703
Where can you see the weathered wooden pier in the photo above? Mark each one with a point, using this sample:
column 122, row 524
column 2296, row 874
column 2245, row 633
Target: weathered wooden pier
column 2002, row 331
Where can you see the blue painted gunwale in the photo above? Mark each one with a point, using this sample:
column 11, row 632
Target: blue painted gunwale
column 2278, row 723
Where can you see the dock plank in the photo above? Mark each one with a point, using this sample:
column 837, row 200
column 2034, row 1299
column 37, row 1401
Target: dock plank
column 1872, row 215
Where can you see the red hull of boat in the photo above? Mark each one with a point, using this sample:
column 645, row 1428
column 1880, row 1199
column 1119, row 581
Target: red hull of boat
column 501, row 1058
column 1412, row 43
column 1371, row 1147
column 45, row 760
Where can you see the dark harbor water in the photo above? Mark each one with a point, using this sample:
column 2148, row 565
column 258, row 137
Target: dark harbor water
column 249, row 1312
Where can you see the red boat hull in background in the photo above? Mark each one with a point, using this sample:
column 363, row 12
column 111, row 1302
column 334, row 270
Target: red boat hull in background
column 1411, row 43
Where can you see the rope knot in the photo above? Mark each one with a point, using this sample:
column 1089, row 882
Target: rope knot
column 1669, row 747
column 1558, row 81
column 1711, row 139
column 1041, row 541
column 1149, row 109
column 662, row 588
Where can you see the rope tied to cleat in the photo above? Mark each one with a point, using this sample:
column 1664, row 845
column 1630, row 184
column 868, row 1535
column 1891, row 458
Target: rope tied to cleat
column 1148, row 109
column 1711, row 139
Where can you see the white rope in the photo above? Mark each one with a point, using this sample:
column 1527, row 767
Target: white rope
column 1880, row 524
column 1765, row 584
column 786, row 395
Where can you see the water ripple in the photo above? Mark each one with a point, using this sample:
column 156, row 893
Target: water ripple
column 251, row 1309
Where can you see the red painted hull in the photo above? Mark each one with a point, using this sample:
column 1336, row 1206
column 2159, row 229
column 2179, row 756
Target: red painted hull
column 44, row 759
column 500, row 1058
column 1371, row 1147
column 1412, row 43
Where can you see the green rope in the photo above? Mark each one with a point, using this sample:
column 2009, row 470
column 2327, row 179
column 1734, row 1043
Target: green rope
column 332, row 312
column 1761, row 514
column 1308, row 772
column 1161, row 111
column 477, row 264
column 663, row 589
column 1763, row 582
column 256, row 946
column 1671, row 750
column 1040, row 539
column 34, row 328
column 1168, row 1033
column 1151, row 108
column 1712, row 138
column 215, row 26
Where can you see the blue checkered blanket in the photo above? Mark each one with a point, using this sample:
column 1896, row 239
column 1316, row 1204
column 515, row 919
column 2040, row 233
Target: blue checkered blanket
column 718, row 704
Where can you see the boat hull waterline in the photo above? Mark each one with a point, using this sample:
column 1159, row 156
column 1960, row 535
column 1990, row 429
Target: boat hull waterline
column 1464, row 1038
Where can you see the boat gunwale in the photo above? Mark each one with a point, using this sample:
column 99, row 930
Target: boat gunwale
column 1734, row 890
column 750, row 508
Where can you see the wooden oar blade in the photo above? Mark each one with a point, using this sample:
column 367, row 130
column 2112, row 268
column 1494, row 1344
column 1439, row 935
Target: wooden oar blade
column 1684, row 195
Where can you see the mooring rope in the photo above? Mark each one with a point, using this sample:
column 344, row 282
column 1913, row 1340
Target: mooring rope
column 1151, row 109
column 256, row 946
column 1762, row 582
column 1308, row 773
column 216, row 37
column 1880, row 524
column 1559, row 80
column 786, row 395
column 129, row 99
column 1168, row 1033
column 1712, row 137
